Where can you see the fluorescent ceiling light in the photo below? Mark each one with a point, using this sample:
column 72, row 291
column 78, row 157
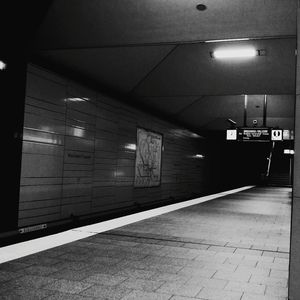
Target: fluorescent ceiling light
column 235, row 53
column 227, row 40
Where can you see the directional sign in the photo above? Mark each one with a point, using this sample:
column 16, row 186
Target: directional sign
column 231, row 134
column 254, row 134
column 276, row 135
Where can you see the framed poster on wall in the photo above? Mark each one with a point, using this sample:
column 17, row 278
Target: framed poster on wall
column 148, row 158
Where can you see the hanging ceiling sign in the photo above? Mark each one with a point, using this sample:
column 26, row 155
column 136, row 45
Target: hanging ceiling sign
column 254, row 134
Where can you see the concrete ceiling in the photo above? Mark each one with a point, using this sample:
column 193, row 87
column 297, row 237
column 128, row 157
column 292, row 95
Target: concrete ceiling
column 154, row 51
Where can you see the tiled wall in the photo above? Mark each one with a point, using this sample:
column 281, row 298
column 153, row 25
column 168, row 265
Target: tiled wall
column 78, row 157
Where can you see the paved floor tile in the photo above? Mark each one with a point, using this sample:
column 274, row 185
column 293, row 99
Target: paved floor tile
column 140, row 295
column 183, row 298
column 64, row 296
column 39, row 270
column 26, row 294
column 32, row 281
column 102, row 292
column 67, row 286
column 141, row 284
column 213, row 294
column 68, row 274
column 279, row 274
column 249, row 296
column 282, row 282
column 258, row 289
column 203, row 272
column 276, row 291
column 175, row 288
column 104, row 279
column 218, row 284
column 234, row 276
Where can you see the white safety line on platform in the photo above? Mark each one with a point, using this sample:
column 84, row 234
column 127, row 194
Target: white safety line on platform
column 22, row 249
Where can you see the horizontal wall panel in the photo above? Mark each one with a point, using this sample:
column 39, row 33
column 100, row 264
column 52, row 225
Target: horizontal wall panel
column 34, row 220
column 39, row 192
column 42, row 149
column 74, row 190
column 48, row 166
column 34, row 110
column 106, row 125
column 47, row 106
column 76, row 209
column 31, row 205
column 41, row 88
column 76, row 200
column 39, row 211
column 79, row 144
column 41, row 181
column 78, row 157
column 42, row 137
column 44, row 124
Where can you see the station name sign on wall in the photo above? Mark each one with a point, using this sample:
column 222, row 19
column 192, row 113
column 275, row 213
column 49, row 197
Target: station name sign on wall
column 255, row 134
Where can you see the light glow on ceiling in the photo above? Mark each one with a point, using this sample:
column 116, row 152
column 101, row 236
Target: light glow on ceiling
column 234, row 53
column 227, row 40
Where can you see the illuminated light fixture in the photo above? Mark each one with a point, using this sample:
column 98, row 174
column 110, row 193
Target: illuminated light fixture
column 235, row 53
column 288, row 151
column 227, row 40
column 3, row 65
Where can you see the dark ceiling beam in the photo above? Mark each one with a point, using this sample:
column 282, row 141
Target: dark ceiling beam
column 154, row 44
column 153, row 69
column 188, row 106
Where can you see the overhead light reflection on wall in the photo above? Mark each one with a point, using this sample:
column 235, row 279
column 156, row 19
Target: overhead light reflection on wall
column 199, row 156
column 130, row 147
column 76, row 99
column 3, row 65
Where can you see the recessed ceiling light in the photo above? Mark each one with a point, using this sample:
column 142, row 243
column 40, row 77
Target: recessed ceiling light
column 201, row 7
column 2, row 65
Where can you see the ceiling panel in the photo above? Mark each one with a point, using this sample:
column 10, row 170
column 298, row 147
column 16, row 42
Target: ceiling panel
column 117, row 68
column 212, row 112
column 190, row 70
column 96, row 23
column 168, row 105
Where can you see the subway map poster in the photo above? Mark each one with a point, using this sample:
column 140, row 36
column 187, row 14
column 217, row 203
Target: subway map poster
column 148, row 158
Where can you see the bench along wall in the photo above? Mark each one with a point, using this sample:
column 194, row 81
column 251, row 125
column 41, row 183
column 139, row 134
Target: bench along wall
column 78, row 158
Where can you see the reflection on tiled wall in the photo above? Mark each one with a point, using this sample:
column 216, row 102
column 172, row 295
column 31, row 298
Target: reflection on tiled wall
column 79, row 153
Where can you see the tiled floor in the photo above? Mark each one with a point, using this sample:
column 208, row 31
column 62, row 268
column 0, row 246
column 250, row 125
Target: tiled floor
column 235, row 247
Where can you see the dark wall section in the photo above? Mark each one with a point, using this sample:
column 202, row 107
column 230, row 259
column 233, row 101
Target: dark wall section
column 78, row 154
column 234, row 164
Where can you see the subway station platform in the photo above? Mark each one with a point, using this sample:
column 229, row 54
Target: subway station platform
column 232, row 247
